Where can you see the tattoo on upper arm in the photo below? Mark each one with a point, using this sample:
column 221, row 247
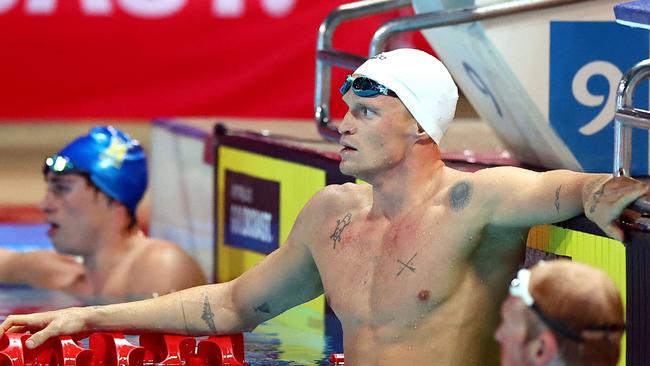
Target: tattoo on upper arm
column 557, row 199
column 408, row 265
column 461, row 193
column 340, row 225
column 208, row 315
column 264, row 308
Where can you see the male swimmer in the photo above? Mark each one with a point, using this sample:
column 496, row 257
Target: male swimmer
column 561, row 313
column 94, row 185
column 415, row 264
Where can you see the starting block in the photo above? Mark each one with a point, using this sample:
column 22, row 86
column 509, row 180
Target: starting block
column 113, row 349
column 634, row 14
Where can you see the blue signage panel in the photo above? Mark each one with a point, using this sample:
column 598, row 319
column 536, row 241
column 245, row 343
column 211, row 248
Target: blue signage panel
column 587, row 61
column 252, row 209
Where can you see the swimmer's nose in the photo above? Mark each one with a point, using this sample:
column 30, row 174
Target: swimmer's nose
column 46, row 203
column 346, row 127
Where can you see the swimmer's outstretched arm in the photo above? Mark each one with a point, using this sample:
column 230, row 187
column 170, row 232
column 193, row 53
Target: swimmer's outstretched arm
column 525, row 198
column 41, row 268
column 285, row 278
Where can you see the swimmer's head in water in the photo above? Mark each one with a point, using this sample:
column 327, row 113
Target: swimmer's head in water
column 114, row 161
column 419, row 80
column 580, row 304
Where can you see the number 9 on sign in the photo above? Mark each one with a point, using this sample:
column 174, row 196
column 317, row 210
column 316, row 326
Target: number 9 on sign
column 606, row 101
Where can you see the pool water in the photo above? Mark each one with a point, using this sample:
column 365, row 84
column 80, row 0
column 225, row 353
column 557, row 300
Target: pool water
column 270, row 344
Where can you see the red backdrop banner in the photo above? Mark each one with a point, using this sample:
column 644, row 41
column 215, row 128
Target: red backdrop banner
column 148, row 58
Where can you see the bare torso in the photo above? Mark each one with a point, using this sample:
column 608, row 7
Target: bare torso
column 418, row 290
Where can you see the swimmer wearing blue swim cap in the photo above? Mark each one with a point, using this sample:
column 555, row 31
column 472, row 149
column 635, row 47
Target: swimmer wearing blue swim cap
column 114, row 162
column 94, row 185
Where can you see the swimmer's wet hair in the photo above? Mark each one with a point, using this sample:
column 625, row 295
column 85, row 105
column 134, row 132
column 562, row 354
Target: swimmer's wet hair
column 587, row 305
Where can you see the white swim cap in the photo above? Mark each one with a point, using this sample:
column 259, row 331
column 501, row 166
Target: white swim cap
column 421, row 82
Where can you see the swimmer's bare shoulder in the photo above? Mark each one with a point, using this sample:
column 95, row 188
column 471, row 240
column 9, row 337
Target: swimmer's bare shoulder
column 179, row 269
column 340, row 198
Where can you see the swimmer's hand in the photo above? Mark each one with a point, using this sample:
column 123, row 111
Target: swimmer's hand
column 605, row 199
column 42, row 268
column 71, row 321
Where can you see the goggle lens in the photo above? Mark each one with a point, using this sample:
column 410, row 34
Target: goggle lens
column 59, row 164
column 365, row 87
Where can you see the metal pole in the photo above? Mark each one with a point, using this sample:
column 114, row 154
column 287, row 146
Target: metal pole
column 627, row 116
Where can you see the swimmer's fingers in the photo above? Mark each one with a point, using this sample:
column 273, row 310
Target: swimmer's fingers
column 46, row 325
column 18, row 329
column 613, row 231
column 23, row 322
column 62, row 322
column 608, row 202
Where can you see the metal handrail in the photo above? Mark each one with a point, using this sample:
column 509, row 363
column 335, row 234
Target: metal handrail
column 453, row 17
column 627, row 116
column 326, row 56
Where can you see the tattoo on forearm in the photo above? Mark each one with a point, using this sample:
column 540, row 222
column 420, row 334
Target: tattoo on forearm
column 557, row 199
column 461, row 193
column 591, row 185
column 408, row 265
column 595, row 199
column 264, row 308
column 340, row 225
column 180, row 298
column 208, row 315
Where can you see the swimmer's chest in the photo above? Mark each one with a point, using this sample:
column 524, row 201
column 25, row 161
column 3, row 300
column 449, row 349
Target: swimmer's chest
column 410, row 266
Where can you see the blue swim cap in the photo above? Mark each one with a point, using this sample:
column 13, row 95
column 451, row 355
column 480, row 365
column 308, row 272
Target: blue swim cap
column 116, row 163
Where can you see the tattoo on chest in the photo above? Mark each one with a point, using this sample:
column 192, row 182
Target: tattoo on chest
column 340, row 225
column 557, row 198
column 408, row 265
column 208, row 315
column 460, row 195
column 264, row 308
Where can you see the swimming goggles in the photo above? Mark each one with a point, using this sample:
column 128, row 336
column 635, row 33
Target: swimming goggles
column 58, row 164
column 365, row 87
column 519, row 289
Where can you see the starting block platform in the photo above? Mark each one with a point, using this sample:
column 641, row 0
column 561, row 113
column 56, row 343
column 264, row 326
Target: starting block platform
column 634, row 14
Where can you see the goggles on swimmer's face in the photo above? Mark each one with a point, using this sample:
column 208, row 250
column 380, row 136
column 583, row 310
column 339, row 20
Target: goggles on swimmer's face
column 58, row 164
column 519, row 288
column 365, row 87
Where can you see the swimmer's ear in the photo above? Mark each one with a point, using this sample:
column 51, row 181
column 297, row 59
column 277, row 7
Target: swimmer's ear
column 544, row 348
column 421, row 135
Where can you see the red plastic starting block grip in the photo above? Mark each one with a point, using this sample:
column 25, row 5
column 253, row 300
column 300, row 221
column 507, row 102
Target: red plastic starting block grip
column 230, row 348
column 167, row 349
column 112, row 349
column 63, row 351
column 337, row 359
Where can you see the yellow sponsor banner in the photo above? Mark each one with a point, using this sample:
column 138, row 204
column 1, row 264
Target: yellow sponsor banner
column 298, row 183
column 598, row 251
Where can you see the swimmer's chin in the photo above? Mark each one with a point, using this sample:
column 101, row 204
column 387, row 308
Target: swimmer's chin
column 347, row 170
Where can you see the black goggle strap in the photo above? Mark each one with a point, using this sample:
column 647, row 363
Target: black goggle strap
column 575, row 336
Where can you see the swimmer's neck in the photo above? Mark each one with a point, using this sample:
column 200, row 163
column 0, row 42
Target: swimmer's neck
column 110, row 248
column 399, row 190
